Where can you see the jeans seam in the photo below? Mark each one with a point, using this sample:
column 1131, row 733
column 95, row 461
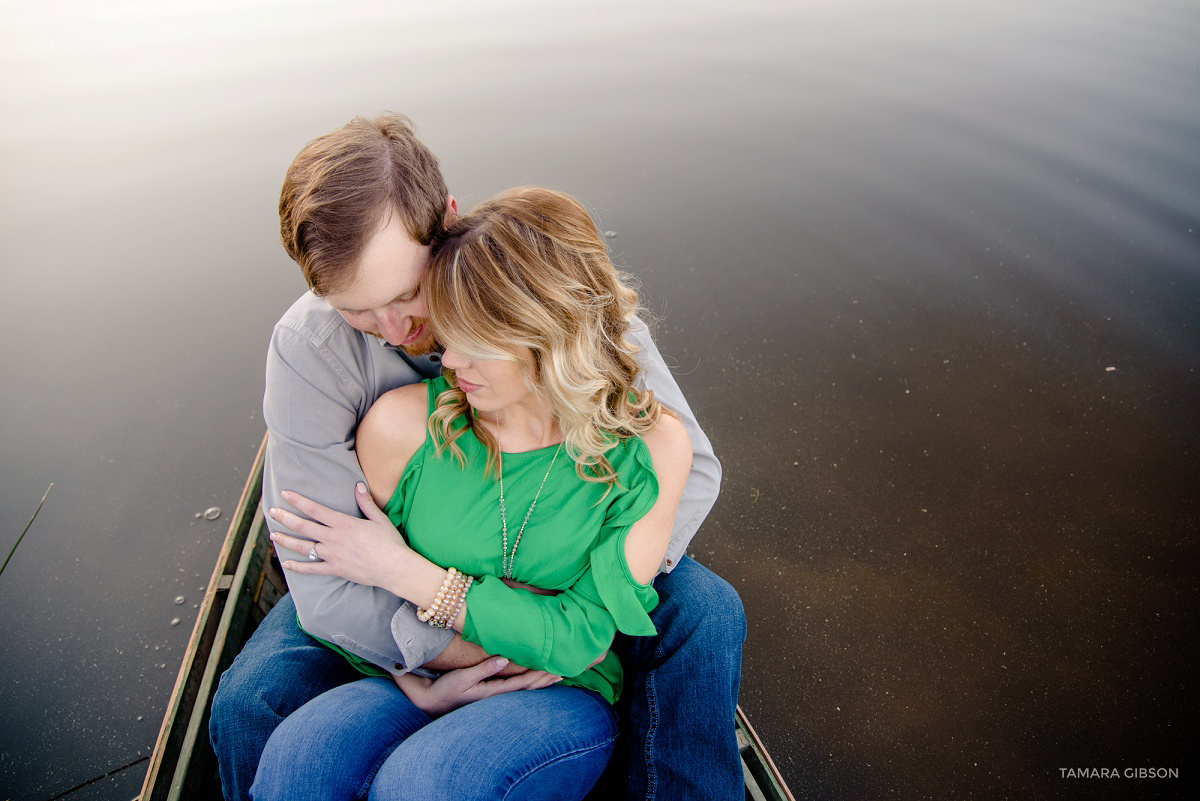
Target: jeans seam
column 365, row 788
column 560, row 758
column 651, row 730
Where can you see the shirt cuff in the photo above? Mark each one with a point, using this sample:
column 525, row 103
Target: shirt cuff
column 509, row 622
column 418, row 642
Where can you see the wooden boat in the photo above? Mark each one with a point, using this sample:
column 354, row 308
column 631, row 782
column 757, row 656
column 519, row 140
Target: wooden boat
column 245, row 584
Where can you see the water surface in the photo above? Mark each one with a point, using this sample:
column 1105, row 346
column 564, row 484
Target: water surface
column 929, row 273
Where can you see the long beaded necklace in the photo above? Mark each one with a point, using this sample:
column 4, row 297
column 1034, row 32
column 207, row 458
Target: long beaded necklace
column 510, row 559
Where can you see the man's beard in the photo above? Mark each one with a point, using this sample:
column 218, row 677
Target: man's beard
column 423, row 346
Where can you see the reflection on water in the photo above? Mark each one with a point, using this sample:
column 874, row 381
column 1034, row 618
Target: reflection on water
column 897, row 249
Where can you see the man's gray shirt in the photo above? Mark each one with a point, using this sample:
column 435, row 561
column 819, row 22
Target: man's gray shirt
column 322, row 376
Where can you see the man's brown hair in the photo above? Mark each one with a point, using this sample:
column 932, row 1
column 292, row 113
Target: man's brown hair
column 342, row 185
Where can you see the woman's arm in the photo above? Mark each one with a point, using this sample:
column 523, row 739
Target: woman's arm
column 566, row 633
column 646, row 543
column 704, row 480
column 368, row 552
column 671, row 453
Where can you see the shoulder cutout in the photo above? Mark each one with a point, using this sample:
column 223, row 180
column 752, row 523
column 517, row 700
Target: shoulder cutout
column 671, row 455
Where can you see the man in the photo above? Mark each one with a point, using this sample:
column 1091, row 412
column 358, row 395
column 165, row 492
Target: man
column 358, row 211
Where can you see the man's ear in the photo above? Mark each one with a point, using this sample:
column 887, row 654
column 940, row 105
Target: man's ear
column 451, row 212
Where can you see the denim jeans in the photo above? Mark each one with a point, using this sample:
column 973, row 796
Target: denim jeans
column 278, row 671
column 681, row 691
column 532, row 745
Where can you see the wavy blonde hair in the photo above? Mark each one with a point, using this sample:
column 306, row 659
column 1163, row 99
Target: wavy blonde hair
column 527, row 269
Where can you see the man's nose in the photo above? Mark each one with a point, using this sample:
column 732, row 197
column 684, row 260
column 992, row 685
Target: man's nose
column 393, row 326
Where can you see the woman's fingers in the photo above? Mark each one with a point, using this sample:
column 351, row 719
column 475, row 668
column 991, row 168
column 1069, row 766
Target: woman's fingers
column 543, row 679
column 316, row 511
column 301, row 546
column 471, row 679
column 530, row 680
column 310, row 568
column 292, row 543
column 369, row 508
column 546, row 680
column 460, row 687
column 308, row 529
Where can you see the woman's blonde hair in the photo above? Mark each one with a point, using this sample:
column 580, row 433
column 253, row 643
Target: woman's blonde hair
column 527, row 269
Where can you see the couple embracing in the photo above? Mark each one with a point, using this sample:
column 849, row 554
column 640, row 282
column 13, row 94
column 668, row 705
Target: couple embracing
column 482, row 480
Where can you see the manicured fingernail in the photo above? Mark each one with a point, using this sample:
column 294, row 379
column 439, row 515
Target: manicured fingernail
column 274, row 512
column 286, row 494
column 274, row 537
column 361, row 487
column 557, row 679
column 501, row 662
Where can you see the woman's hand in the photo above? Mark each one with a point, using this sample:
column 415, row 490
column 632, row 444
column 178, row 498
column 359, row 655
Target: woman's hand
column 460, row 687
column 369, row 551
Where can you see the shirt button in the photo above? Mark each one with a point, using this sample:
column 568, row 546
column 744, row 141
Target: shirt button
column 398, row 666
column 433, row 357
column 670, row 563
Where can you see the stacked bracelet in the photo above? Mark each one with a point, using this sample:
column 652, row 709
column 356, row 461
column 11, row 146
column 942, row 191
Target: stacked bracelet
column 448, row 601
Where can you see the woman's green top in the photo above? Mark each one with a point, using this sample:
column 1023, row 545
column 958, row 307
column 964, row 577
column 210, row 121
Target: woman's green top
column 574, row 542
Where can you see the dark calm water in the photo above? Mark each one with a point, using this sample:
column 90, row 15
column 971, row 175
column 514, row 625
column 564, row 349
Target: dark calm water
column 930, row 273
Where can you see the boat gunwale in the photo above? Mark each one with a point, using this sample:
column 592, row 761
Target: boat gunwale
column 175, row 754
column 174, row 745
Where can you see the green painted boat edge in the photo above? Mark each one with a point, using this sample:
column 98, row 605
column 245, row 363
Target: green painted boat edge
column 245, row 584
column 173, row 762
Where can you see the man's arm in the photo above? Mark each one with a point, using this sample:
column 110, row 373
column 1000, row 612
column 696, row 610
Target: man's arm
column 704, row 480
column 315, row 396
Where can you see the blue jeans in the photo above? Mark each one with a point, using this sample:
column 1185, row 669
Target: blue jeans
column 531, row 745
column 682, row 687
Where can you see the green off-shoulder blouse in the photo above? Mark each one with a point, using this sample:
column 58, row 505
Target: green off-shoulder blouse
column 573, row 542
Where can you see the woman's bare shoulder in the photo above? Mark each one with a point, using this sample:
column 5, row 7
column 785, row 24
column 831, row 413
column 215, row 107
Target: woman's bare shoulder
column 390, row 433
column 669, row 445
column 398, row 415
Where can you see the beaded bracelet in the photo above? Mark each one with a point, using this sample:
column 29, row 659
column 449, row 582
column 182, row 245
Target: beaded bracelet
column 452, row 606
column 425, row 615
column 448, row 601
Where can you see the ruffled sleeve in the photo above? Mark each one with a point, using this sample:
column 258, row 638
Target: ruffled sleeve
column 565, row 633
column 627, row 600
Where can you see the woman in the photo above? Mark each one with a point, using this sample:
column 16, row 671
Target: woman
column 532, row 462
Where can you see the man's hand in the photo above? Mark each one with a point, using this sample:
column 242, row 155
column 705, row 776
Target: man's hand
column 460, row 687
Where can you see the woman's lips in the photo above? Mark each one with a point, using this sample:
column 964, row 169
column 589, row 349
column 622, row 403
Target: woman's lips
column 467, row 386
